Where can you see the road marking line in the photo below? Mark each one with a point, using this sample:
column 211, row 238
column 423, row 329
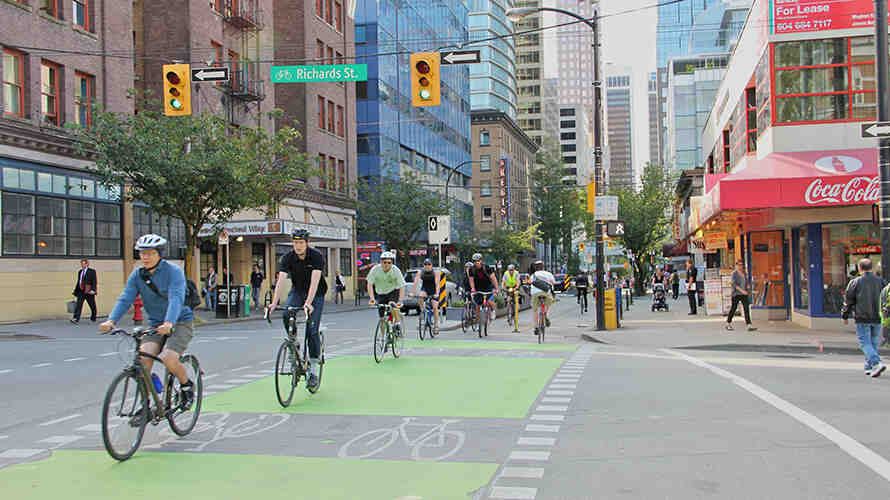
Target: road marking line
column 556, row 400
column 536, row 441
column 513, row 493
column 550, row 418
column 107, row 354
column 854, row 448
column 207, row 394
column 56, row 421
column 559, row 393
column 551, row 408
column 74, row 359
column 254, row 375
column 267, row 361
column 220, row 387
column 530, row 455
column 237, row 381
column 20, row 453
column 563, row 386
column 541, row 428
column 40, row 365
column 3, row 437
column 635, row 355
column 212, row 375
column 60, row 440
column 571, row 370
column 565, row 379
column 523, row 472
column 4, row 371
column 89, row 428
column 241, row 368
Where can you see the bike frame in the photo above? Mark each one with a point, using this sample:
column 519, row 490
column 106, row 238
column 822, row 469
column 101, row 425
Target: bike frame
column 145, row 374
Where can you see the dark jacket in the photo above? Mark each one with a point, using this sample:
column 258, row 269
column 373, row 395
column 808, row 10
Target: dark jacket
column 256, row 279
column 89, row 282
column 863, row 299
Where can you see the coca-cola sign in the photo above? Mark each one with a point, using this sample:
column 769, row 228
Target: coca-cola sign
column 855, row 190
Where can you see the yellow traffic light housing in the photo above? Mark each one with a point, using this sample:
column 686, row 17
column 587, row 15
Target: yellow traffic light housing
column 581, row 246
column 425, row 79
column 177, row 90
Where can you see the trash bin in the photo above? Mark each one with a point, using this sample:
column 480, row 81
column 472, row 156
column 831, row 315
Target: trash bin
column 225, row 296
column 245, row 302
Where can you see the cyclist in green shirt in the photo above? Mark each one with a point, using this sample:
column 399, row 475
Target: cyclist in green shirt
column 386, row 284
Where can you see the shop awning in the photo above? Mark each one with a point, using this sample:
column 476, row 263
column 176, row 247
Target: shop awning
column 802, row 179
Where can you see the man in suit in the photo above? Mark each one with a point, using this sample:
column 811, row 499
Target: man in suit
column 85, row 290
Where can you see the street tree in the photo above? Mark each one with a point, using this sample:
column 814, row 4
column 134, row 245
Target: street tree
column 646, row 216
column 557, row 206
column 193, row 168
column 504, row 243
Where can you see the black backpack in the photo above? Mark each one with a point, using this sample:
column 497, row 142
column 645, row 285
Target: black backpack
column 192, row 298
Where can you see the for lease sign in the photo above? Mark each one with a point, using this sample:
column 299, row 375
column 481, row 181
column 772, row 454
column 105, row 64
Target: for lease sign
column 798, row 16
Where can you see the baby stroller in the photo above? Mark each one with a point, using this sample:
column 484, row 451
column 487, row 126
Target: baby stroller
column 658, row 298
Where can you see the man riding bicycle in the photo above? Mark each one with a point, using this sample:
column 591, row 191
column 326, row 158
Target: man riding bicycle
column 387, row 284
column 304, row 266
column 542, row 283
column 166, row 309
column 510, row 280
column 581, row 285
column 430, row 288
column 466, row 282
column 482, row 279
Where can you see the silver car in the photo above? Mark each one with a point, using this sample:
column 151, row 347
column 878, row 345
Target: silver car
column 410, row 303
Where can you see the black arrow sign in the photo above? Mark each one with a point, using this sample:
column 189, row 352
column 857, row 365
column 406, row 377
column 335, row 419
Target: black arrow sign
column 875, row 129
column 213, row 74
column 461, row 57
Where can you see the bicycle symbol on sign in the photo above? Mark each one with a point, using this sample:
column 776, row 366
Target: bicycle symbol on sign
column 245, row 428
column 434, row 437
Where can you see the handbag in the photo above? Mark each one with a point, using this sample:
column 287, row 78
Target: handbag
column 70, row 305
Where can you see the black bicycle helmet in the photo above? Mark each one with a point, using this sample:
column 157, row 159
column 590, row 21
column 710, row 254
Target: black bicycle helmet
column 300, row 234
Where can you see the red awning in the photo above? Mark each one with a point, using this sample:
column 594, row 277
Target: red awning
column 803, row 179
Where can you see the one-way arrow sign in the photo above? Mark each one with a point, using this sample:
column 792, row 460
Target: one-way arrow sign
column 461, row 57
column 875, row 129
column 214, row 74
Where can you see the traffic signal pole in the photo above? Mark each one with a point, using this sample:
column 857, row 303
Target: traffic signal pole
column 598, row 175
column 884, row 142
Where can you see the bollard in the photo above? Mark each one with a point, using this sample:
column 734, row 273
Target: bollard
column 137, row 310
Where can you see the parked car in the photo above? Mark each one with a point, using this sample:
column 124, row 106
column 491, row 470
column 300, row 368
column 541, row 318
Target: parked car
column 410, row 303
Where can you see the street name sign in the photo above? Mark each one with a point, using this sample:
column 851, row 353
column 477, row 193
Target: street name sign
column 460, row 57
column 606, row 208
column 875, row 129
column 319, row 73
column 439, row 227
column 212, row 74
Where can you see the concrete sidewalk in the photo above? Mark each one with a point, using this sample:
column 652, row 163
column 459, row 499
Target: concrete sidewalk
column 642, row 327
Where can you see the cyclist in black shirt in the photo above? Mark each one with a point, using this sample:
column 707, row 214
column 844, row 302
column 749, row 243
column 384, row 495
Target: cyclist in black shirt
column 428, row 281
column 581, row 285
column 482, row 279
column 304, row 266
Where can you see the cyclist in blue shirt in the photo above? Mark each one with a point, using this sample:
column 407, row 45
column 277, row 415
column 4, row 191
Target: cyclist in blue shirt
column 166, row 310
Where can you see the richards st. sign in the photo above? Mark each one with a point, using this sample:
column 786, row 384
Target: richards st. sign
column 854, row 191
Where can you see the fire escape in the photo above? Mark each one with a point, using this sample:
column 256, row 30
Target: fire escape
column 245, row 84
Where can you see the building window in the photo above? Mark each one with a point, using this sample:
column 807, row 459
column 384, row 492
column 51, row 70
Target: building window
column 569, row 159
column 340, row 113
column 568, row 148
column 321, row 120
column 332, row 173
column 51, row 8
column 726, row 157
column 18, row 224
column 567, row 112
column 51, row 226
column 217, row 52
column 567, row 136
column 331, row 116
column 486, row 214
column 338, row 16
column 330, row 59
column 567, row 124
column 485, row 163
column 147, row 221
column 485, row 188
column 319, row 51
column 341, row 174
column 82, row 14
column 322, row 171
column 802, row 294
column 346, row 263
column 319, row 8
column 751, row 117
column 49, row 92
column 328, row 12
column 13, row 83
column 843, row 245
column 83, row 99
column 484, row 138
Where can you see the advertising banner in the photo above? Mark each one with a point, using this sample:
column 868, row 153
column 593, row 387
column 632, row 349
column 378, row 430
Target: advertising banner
column 799, row 16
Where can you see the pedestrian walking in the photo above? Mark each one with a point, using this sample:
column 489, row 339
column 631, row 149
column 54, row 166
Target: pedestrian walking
column 675, row 283
column 691, row 289
column 210, row 298
column 339, row 288
column 863, row 300
column 85, row 290
column 740, row 290
column 256, row 281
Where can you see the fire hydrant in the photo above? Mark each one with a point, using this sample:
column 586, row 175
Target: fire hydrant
column 137, row 310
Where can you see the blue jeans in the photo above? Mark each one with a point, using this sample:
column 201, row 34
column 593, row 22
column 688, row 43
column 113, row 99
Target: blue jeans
column 869, row 335
column 297, row 299
column 210, row 299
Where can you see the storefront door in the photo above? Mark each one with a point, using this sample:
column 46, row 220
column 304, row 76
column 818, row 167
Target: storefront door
column 767, row 269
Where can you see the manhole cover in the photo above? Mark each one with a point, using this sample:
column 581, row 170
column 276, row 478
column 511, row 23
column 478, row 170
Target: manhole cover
column 788, row 356
column 7, row 336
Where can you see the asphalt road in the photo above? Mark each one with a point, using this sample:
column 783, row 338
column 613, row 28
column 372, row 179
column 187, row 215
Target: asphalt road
column 458, row 417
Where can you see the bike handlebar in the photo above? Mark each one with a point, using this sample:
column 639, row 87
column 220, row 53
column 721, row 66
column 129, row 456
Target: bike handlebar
column 136, row 333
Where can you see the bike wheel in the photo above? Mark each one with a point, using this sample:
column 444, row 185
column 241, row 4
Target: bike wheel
column 542, row 325
column 124, row 415
column 379, row 342
column 429, row 330
column 397, row 340
column 421, row 321
column 464, row 320
column 183, row 420
column 285, row 376
column 320, row 364
column 483, row 322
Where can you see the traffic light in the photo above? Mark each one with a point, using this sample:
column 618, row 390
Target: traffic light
column 581, row 246
column 177, row 90
column 425, row 79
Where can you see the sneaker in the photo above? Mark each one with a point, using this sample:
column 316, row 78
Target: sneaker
column 397, row 331
column 878, row 370
column 547, row 322
column 535, row 333
column 74, row 321
column 186, row 397
column 136, row 419
column 729, row 327
column 312, row 383
column 868, row 372
column 752, row 328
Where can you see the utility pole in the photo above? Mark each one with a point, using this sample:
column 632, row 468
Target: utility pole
column 884, row 142
column 598, row 175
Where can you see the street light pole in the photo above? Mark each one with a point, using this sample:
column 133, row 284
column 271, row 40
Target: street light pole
column 515, row 15
column 883, row 142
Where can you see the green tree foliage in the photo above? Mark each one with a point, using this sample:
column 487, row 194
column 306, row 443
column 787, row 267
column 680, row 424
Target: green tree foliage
column 558, row 208
column 646, row 216
column 504, row 244
column 194, row 168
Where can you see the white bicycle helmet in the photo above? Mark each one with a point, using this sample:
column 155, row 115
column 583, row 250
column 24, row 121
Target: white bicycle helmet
column 150, row 242
column 477, row 256
column 388, row 255
column 511, row 267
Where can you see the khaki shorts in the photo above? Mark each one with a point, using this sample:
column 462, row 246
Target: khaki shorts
column 539, row 297
column 177, row 341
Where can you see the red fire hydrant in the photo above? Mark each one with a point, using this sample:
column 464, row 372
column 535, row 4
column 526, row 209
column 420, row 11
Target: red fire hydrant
column 137, row 310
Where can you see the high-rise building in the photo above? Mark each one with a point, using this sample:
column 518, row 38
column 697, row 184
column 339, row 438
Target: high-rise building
column 493, row 81
column 675, row 22
column 618, row 124
column 575, row 144
column 394, row 137
column 530, row 75
column 575, row 56
column 654, row 121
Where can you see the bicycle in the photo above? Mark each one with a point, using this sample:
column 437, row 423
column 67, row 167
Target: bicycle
column 290, row 366
column 513, row 308
column 542, row 322
column 468, row 315
column 483, row 313
column 426, row 319
column 582, row 300
column 132, row 410
column 386, row 336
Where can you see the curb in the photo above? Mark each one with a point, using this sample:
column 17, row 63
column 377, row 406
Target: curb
column 214, row 321
column 591, row 338
column 775, row 348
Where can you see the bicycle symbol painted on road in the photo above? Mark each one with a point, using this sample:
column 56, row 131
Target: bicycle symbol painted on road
column 433, row 444
column 219, row 423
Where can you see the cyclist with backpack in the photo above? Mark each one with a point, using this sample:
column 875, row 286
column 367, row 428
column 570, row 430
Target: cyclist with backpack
column 543, row 282
column 168, row 299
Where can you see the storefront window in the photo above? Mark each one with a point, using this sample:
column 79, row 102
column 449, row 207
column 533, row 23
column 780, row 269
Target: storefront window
column 803, row 263
column 843, row 245
column 767, row 274
column 346, row 264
